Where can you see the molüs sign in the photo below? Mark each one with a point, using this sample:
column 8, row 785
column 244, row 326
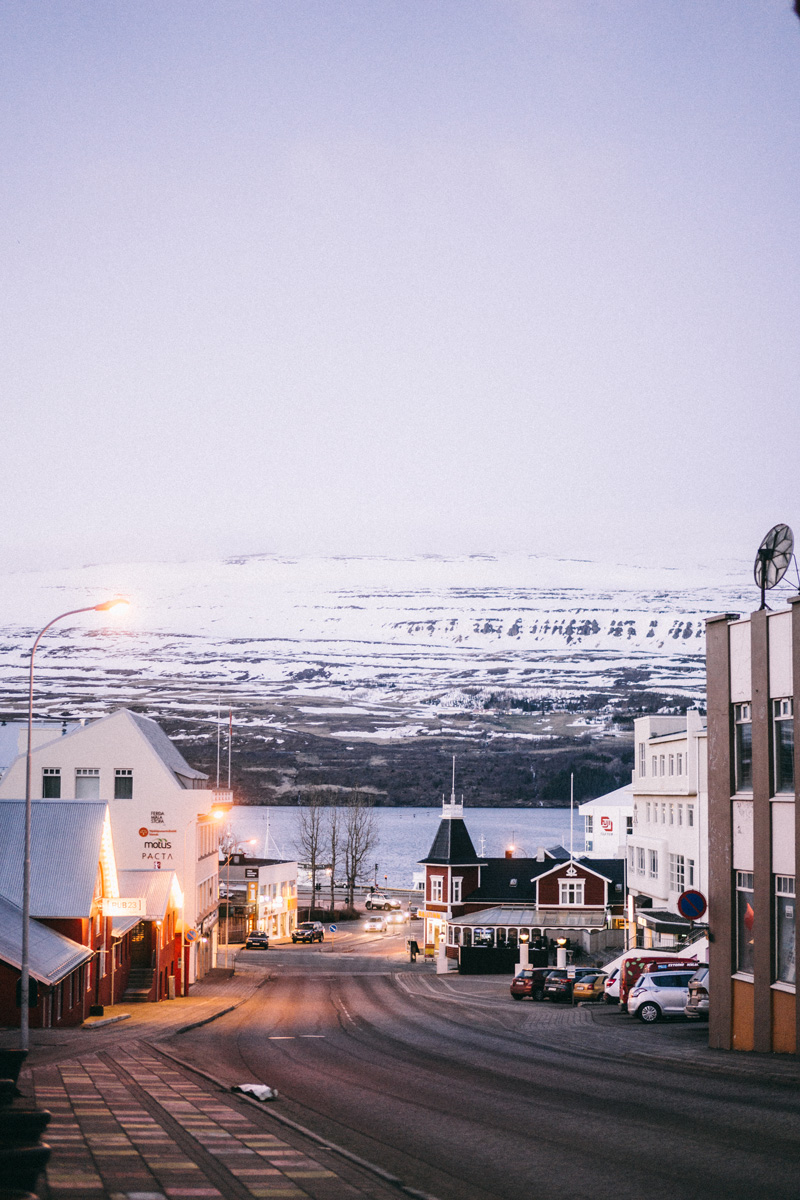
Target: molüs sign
column 156, row 846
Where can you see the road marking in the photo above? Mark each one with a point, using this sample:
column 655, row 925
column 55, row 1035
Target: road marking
column 312, row 1035
column 281, row 1037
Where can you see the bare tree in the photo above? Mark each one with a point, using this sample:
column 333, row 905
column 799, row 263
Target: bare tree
column 333, row 846
column 309, row 839
column 360, row 839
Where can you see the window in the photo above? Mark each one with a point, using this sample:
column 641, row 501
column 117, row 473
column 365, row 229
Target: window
column 631, row 853
column 629, row 822
column 745, row 919
column 640, row 860
column 663, row 814
column 680, row 814
column 436, row 888
column 744, row 748
column 690, row 815
column 672, row 814
column 647, row 812
column 653, row 863
column 87, row 783
column 642, row 759
column 677, row 873
column 679, row 758
column 456, row 890
column 672, row 764
column 661, row 764
column 654, row 764
column 783, row 734
column 785, row 928
column 690, row 881
column 123, row 784
column 570, row 891
column 51, row 783
column 589, row 830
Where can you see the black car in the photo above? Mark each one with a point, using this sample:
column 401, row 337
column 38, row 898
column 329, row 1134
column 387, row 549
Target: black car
column 309, row 931
column 257, row 940
column 558, row 985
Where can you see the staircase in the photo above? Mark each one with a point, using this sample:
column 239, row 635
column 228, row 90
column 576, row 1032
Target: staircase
column 140, row 983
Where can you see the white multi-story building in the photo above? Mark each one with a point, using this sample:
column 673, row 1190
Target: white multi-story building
column 607, row 822
column 668, row 847
column 162, row 811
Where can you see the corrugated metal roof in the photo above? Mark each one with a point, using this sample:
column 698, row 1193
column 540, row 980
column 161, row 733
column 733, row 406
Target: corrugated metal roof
column 51, row 955
column 154, row 887
column 121, row 925
column 164, row 748
column 66, row 844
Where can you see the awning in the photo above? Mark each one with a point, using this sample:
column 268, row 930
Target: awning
column 533, row 918
column 662, row 921
column 122, row 925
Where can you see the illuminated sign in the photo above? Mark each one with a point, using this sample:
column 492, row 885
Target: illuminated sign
column 116, row 906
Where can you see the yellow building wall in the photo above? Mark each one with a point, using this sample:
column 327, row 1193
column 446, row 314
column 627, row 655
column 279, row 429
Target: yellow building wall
column 742, row 1019
column 784, row 1037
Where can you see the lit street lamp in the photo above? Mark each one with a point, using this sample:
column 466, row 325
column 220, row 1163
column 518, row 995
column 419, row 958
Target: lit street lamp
column 24, row 1015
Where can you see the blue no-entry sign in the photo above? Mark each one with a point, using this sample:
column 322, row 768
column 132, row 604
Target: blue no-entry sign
column 692, row 905
column 333, row 928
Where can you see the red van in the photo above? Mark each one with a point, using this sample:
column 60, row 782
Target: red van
column 632, row 968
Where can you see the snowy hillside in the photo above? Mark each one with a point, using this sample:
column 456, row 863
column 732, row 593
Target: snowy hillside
column 391, row 636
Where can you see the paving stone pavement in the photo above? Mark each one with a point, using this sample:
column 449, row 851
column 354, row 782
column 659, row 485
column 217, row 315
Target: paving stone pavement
column 128, row 1124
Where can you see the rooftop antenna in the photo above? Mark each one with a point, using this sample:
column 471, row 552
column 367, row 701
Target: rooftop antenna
column 453, row 789
column 773, row 558
column 571, row 797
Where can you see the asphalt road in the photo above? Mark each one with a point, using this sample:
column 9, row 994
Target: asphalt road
column 467, row 1095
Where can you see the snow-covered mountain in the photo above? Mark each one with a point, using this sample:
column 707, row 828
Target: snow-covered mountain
column 392, row 637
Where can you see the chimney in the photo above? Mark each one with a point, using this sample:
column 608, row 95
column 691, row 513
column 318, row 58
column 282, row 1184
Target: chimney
column 510, row 852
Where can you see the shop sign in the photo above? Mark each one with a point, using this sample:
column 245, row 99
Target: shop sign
column 606, row 824
column 117, row 906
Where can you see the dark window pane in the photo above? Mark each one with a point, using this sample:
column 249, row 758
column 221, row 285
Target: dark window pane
column 785, row 937
column 784, row 756
column 744, row 757
column 51, row 787
column 123, row 787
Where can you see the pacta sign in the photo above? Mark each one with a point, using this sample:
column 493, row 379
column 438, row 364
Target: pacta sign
column 157, row 846
column 607, row 824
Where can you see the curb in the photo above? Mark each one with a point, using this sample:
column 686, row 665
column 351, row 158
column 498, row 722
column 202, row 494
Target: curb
column 333, row 1147
column 98, row 1024
column 222, row 1012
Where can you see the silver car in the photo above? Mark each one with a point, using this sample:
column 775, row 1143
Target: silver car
column 660, row 994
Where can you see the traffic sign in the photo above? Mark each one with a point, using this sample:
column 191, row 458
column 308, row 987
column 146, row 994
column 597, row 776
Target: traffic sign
column 692, row 905
column 333, row 928
column 191, row 935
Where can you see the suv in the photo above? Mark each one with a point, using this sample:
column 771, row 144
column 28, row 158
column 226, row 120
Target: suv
column 256, row 940
column 697, row 1004
column 309, row 931
column 660, row 994
column 558, row 985
column 378, row 900
column 529, row 982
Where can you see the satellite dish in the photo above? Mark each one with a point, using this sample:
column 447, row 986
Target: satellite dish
column 773, row 558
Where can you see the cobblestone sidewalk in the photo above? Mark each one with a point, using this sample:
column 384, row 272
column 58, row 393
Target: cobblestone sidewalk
column 128, row 1124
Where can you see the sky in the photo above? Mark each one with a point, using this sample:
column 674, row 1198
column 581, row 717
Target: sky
column 398, row 277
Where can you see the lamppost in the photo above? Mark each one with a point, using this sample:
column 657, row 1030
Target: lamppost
column 214, row 815
column 24, row 1014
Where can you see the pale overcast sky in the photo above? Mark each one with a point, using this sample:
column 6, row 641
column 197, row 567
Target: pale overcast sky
column 395, row 277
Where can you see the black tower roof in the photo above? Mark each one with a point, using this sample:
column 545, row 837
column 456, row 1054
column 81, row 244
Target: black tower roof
column 452, row 845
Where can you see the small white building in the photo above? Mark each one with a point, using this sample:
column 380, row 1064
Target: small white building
column 668, row 848
column 162, row 810
column 607, row 822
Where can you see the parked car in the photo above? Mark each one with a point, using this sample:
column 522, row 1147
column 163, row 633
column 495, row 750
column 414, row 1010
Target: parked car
column 415, row 911
column 611, row 992
column 375, row 924
column 309, row 931
column 591, row 987
column 530, row 983
column 638, row 961
column 558, row 985
column 257, row 940
column 697, row 1004
column 658, row 994
column 378, row 900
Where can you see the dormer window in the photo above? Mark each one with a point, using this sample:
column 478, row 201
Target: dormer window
column 512, row 883
column 571, row 891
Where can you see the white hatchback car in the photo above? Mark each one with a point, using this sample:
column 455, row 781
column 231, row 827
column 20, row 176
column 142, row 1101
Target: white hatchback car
column 661, row 994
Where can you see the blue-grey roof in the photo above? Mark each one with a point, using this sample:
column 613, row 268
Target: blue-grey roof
column 164, row 748
column 51, row 955
column 66, row 842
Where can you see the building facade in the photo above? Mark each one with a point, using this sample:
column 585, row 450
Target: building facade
column 667, row 849
column 753, row 667
column 607, row 822
column 162, row 810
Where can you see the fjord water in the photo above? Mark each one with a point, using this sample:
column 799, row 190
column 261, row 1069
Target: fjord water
column 406, row 834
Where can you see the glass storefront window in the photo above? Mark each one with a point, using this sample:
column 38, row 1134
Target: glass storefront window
column 785, row 928
column 745, row 919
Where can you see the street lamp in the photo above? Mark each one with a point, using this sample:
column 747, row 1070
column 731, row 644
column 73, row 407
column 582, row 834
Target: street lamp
column 24, row 1015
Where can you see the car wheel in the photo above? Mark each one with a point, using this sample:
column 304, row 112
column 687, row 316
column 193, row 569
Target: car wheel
column 322, row 937
column 514, row 996
column 368, row 906
column 387, row 907
column 537, row 994
column 609, row 999
column 648, row 1012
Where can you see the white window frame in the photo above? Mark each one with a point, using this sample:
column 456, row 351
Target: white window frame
column 652, row 864
column 455, row 888
column 437, row 889
column 570, row 892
